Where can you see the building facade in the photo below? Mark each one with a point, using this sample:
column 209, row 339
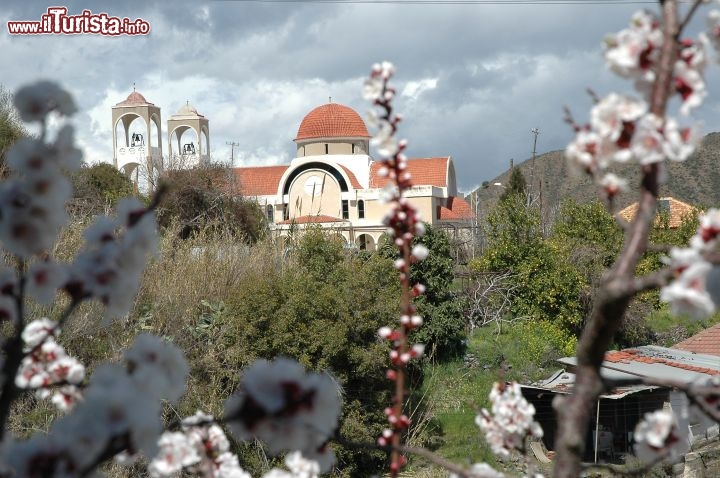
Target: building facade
column 333, row 183
column 137, row 138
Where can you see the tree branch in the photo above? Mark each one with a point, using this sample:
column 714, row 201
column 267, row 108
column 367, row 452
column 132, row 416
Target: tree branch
column 618, row 285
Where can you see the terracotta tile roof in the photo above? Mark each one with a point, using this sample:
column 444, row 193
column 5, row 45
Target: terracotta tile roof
column 332, row 120
column 259, row 180
column 457, row 208
column 633, row 355
column 353, row 180
column 705, row 342
column 678, row 210
column 316, row 219
column 134, row 99
column 424, row 172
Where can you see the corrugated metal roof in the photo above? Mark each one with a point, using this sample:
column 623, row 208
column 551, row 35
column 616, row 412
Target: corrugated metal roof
column 563, row 382
column 652, row 361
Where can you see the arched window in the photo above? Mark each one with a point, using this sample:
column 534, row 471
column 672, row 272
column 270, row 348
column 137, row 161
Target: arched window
column 361, row 209
column 270, row 211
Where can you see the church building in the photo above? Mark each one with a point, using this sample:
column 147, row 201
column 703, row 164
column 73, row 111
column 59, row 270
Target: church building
column 333, row 182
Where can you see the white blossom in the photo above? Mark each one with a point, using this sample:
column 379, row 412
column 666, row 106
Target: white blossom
column 632, row 52
column 116, row 251
column 657, row 434
column 35, row 101
column 373, row 88
column 157, row 367
column 583, row 150
column 176, row 452
column 65, row 153
column 690, row 84
column 510, row 421
column 287, row 408
column 609, row 116
column 44, row 278
column 33, row 211
column 679, row 143
column 688, row 295
column 420, row 252
column 119, row 407
column 37, row 331
column 613, row 184
column 648, row 142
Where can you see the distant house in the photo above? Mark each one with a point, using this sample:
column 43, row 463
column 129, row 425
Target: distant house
column 706, row 342
column 618, row 412
column 675, row 211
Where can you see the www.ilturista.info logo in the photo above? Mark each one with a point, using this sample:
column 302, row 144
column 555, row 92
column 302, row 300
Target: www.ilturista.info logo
column 57, row 22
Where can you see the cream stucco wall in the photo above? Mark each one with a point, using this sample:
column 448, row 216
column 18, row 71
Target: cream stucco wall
column 326, row 200
column 375, row 209
column 317, row 147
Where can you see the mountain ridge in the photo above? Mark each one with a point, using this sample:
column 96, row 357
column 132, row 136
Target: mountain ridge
column 695, row 181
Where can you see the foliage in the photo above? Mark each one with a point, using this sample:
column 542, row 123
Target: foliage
column 201, row 199
column 443, row 330
column 588, row 228
column 548, row 287
column 516, row 186
column 11, row 127
column 324, row 310
column 99, row 187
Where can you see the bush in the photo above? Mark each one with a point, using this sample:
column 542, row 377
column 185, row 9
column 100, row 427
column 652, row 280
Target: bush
column 204, row 198
column 98, row 188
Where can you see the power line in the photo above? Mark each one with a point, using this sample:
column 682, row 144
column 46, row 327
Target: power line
column 467, row 2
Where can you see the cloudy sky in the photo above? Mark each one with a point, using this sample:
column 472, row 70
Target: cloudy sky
column 475, row 78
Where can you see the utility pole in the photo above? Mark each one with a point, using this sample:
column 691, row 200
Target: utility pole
column 232, row 145
column 536, row 132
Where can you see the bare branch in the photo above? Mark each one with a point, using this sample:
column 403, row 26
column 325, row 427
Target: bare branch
column 689, row 16
column 653, row 280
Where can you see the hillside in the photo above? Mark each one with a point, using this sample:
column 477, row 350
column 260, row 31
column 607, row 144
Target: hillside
column 696, row 181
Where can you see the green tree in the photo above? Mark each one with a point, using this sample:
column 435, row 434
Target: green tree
column 588, row 235
column 548, row 286
column 443, row 330
column 516, row 186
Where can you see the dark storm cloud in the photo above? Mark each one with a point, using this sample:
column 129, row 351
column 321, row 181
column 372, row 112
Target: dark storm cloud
column 482, row 76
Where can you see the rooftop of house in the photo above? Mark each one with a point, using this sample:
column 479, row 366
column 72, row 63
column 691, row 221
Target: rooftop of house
column 706, row 342
column 675, row 210
column 655, row 362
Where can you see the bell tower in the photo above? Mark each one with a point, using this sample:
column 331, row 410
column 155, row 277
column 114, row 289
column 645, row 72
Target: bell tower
column 137, row 146
column 188, row 153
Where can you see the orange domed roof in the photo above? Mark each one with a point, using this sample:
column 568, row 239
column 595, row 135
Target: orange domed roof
column 133, row 99
column 332, row 121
